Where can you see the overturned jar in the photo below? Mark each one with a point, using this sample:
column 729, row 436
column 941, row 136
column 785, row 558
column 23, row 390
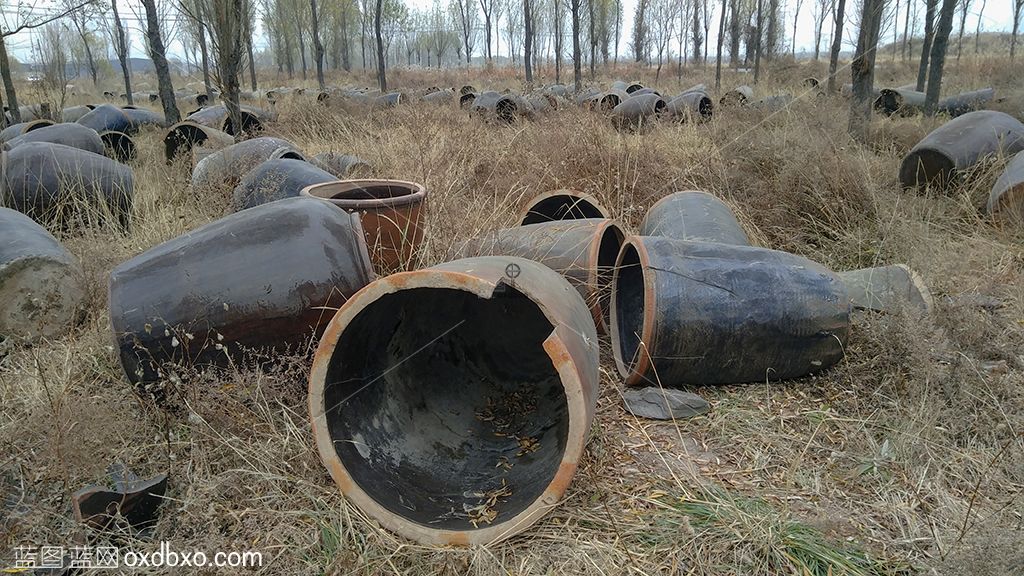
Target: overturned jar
column 583, row 251
column 703, row 313
column 259, row 281
column 562, row 205
column 393, row 215
column 57, row 183
column 452, row 404
column 694, row 215
column 940, row 157
column 41, row 293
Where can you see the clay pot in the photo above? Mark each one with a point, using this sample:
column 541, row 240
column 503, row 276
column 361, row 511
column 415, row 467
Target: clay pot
column 737, row 96
column 392, row 212
column 225, row 167
column 53, row 182
column 701, row 313
column 15, row 130
column 107, row 117
column 696, row 216
column 275, row 180
column 958, row 144
column 343, row 166
column 691, row 105
column 68, row 133
column 453, row 404
column 562, row 205
column 248, row 287
column 1006, row 200
column 636, row 111
column 583, row 251
column 41, row 293
column 183, row 136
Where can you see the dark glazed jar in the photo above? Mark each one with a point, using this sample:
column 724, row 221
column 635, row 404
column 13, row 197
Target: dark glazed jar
column 261, row 280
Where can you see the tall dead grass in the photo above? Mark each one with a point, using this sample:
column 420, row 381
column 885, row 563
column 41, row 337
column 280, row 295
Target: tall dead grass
column 907, row 456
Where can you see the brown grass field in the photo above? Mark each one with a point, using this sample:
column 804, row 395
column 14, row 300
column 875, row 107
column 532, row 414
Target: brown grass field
column 908, row 457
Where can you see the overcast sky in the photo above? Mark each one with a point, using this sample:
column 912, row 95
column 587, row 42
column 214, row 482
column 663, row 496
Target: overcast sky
column 997, row 17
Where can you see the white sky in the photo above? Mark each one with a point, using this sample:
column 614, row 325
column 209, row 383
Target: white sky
column 997, row 17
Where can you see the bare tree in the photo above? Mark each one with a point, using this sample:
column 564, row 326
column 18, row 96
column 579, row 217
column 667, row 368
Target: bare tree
column 528, row 39
column 696, row 32
column 904, row 47
column 1018, row 7
column 121, row 48
column 938, row 56
column 640, row 39
column 718, row 54
column 863, row 68
column 662, row 26
column 558, row 9
column 25, row 18
column 196, row 29
column 318, row 46
column 488, row 9
column 837, row 43
column 926, row 45
column 757, row 40
column 80, row 19
column 577, row 71
column 821, row 11
column 964, row 6
column 249, row 20
column 796, row 18
column 163, row 72
column 224, row 21
column 465, row 10
column 977, row 30
column 51, row 51
column 382, row 79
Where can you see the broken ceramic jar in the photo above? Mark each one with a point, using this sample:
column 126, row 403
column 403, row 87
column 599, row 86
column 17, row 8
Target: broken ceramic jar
column 452, row 404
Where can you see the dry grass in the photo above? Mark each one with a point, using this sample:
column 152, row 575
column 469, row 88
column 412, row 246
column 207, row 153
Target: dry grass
column 906, row 457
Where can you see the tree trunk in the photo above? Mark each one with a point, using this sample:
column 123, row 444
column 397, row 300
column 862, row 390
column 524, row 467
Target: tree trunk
column 734, row 33
column 206, row 63
column 977, row 30
column 938, row 58
column 769, row 48
column 559, row 42
column 381, row 72
column 837, row 43
column 163, row 73
column 528, row 40
column 318, row 47
column 252, row 62
column 576, row 70
column 696, row 32
column 796, row 18
column 960, row 35
column 487, row 35
column 302, row 52
column 88, row 51
column 757, row 42
column 906, row 30
column 122, row 54
column 863, row 69
column 593, row 39
column 926, row 45
column 721, row 37
column 1017, row 6
column 5, row 72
